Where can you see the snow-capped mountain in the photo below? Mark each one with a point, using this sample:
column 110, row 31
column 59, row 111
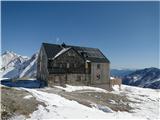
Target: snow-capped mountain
column 15, row 66
column 147, row 78
column 11, row 59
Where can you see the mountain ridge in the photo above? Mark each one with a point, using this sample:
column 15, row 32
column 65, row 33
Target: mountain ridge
column 15, row 65
column 146, row 78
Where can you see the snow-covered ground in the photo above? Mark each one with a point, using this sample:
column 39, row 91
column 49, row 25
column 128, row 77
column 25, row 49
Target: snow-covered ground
column 3, row 78
column 70, row 88
column 59, row 107
column 146, row 106
column 28, row 97
column 147, row 100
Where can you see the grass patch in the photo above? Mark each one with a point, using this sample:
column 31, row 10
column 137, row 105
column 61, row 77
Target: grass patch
column 13, row 103
column 114, row 101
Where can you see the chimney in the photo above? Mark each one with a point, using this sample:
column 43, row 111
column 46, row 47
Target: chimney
column 63, row 45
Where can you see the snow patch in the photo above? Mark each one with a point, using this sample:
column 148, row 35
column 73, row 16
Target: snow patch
column 112, row 78
column 3, row 78
column 70, row 88
column 61, row 52
column 28, row 97
column 18, row 117
column 147, row 100
column 103, row 108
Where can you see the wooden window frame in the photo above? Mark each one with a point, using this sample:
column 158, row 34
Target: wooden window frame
column 98, row 66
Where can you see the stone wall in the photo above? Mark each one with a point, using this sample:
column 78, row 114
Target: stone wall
column 72, row 79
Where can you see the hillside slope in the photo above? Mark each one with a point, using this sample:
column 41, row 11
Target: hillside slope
column 147, row 78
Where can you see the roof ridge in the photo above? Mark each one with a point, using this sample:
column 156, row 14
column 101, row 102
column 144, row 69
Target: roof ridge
column 69, row 45
column 94, row 54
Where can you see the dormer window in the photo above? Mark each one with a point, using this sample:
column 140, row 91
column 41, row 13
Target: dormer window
column 84, row 54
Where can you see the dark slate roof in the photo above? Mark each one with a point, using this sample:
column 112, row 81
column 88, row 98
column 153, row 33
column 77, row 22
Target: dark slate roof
column 93, row 54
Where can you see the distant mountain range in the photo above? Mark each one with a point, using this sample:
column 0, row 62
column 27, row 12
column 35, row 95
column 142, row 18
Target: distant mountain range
column 146, row 78
column 121, row 72
column 17, row 66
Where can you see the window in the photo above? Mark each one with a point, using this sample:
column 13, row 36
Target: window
column 98, row 76
column 86, row 65
column 75, row 65
column 84, row 54
column 69, row 54
column 98, row 66
column 54, row 65
column 67, row 65
column 60, row 65
column 72, row 65
column 79, row 78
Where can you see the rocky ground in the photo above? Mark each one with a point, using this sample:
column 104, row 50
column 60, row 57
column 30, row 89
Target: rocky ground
column 17, row 102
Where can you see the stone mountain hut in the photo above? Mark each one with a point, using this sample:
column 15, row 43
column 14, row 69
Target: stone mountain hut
column 75, row 65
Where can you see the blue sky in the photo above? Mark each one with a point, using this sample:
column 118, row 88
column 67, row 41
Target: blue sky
column 126, row 32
